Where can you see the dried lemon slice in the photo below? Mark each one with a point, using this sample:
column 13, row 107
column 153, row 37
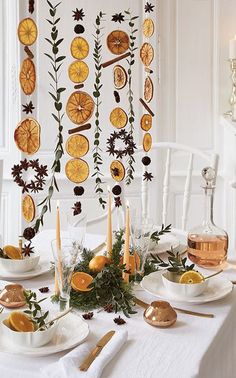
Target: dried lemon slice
column 20, row 322
column 120, row 77
column 117, row 170
column 27, row 31
column 77, row 145
column 146, row 122
column 28, row 208
column 12, row 252
column 27, row 136
column 118, row 42
column 80, row 281
column 148, row 27
column 27, row 76
column 118, row 118
column 191, row 277
column 147, row 142
column 148, row 89
column 77, row 170
column 80, row 107
column 78, row 71
column 79, row 48
column 146, row 54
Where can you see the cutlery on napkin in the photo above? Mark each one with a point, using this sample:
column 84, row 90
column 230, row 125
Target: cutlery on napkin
column 68, row 366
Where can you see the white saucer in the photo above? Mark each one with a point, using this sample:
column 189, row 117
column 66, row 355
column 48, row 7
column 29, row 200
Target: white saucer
column 42, row 267
column 218, row 288
column 71, row 332
column 166, row 242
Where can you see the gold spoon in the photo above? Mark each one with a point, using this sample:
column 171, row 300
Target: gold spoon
column 188, row 312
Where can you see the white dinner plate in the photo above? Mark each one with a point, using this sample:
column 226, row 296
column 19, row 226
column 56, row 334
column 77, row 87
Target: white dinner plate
column 42, row 267
column 166, row 242
column 72, row 331
column 218, row 287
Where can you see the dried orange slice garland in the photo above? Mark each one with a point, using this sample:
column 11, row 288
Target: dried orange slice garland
column 118, row 42
column 80, row 107
column 77, row 145
column 117, row 170
column 27, row 76
column 78, row 71
column 79, row 48
column 120, row 77
column 118, row 118
column 28, row 208
column 27, row 136
column 77, row 170
column 27, row 32
column 146, row 56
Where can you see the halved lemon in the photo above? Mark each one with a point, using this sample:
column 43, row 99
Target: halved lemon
column 27, row 31
column 147, row 142
column 77, row 170
column 117, row 170
column 146, row 122
column 27, row 136
column 148, row 27
column 79, row 48
column 78, row 71
column 120, row 77
column 77, row 145
column 80, row 107
column 191, row 277
column 28, row 208
column 21, row 322
column 118, row 118
column 80, row 281
column 12, row 252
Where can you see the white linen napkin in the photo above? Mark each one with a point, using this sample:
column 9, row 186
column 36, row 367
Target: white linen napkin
column 68, row 366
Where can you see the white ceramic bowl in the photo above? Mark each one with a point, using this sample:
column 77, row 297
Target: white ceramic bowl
column 182, row 290
column 20, row 266
column 29, row 339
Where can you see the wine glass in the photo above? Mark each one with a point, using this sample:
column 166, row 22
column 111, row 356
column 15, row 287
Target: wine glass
column 76, row 227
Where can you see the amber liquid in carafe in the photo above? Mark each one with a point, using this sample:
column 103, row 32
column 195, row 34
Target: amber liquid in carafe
column 207, row 250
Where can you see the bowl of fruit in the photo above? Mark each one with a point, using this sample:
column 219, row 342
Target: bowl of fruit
column 16, row 260
column 189, row 284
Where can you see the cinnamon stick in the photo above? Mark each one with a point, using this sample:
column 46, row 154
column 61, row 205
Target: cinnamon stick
column 146, row 107
column 112, row 61
column 78, row 86
column 29, row 52
column 77, row 129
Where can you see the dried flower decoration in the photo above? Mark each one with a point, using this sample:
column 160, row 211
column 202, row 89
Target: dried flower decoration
column 149, row 7
column 78, row 14
column 118, row 17
column 119, row 321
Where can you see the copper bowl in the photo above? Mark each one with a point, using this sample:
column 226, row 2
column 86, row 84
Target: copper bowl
column 160, row 314
column 12, row 296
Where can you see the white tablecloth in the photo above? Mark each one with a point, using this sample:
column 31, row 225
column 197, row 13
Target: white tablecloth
column 194, row 347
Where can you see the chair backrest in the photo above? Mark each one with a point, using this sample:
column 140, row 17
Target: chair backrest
column 192, row 154
column 1, row 179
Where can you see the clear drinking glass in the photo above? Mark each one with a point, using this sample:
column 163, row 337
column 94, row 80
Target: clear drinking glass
column 76, row 227
column 65, row 260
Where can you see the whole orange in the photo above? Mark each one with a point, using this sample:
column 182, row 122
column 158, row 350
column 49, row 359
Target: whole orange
column 98, row 262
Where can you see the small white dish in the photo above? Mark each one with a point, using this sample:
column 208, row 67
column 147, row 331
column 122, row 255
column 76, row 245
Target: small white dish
column 20, row 266
column 166, row 242
column 218, row 287
column 28, row 339
column 72, row 331
column 42, row 267
column 183, row 290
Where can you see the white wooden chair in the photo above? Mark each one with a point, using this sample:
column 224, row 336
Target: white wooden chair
column 192, row 154
column 1, row 179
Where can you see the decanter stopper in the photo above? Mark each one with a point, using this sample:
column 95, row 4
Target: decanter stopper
column 209, row 175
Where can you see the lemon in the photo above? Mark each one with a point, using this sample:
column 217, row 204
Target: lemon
column 191, row 277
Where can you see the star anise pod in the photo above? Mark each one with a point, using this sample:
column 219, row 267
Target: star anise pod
column 111, row 150
column 148, row 7
column 88, row 315
column 78, row 14
column 40, row 180
column 34, row 163
column 108, row 308
column 119, row 320
column 16, row 170
column 28, row 108
column 25, row 164
column 119, row 154
column 77, row 208
column 116, row 171
column 44, row 289
column 118, row 202
column 42, row 170
column 27, row 249
column 31, row 6
column 25, row 187
column 118, row 17
column 29, row 233
column 147, row 176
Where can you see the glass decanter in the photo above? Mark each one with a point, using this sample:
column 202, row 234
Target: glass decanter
column 208, row 244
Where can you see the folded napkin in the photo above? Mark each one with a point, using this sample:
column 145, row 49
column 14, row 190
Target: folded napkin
column 68, row 366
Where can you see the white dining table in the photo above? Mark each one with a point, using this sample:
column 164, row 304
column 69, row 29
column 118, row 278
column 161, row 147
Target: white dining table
column 193, row 347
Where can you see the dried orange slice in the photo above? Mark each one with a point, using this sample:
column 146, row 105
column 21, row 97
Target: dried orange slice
column 118, row 42
column 148, row 89
column 27, row 31
column 80, row 107
column 120, row 77
column 27, row 76
column 27, row 136
column 78, row 71
column 77, row 145
column 28, row 208
column 148, row 27
column 118, row 118
column 20, row 322
column 147, row 142
column 146, row 122
column 146, row 54
column 77, row 170
column 80, row 281
column 12, row 252
column 79, row 48
column 117, row 170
